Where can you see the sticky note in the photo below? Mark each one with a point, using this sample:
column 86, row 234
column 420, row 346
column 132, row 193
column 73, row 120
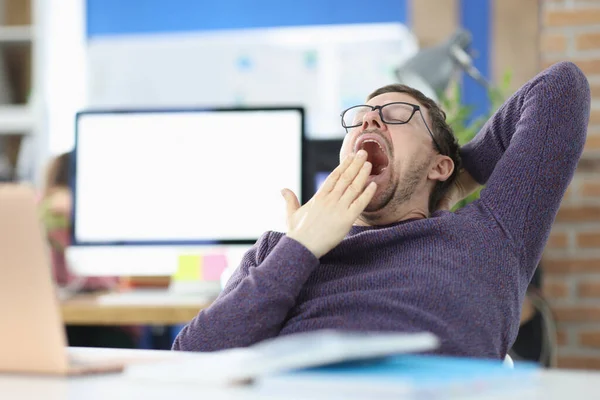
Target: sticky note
column 189, row 268
column 213, row 266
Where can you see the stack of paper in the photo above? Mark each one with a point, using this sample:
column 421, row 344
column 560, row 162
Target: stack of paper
column 331, row 365
column 285, row 353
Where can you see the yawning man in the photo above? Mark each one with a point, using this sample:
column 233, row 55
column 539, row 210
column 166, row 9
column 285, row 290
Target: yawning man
column 377, row 247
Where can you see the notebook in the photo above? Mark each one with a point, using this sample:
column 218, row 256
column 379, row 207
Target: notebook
column 284, row 353
column 405, row 376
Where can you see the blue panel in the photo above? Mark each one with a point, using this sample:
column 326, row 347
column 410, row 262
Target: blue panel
column 118, row 17
column 476, row 18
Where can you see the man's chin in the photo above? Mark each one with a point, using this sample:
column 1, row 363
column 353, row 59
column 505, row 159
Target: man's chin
column 374, row 207
column 384, row 193
column 380, row 199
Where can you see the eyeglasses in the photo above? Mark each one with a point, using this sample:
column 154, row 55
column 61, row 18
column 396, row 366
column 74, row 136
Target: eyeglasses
column 397, row 113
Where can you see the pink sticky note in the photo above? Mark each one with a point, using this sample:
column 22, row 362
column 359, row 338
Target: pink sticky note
column 213, row 266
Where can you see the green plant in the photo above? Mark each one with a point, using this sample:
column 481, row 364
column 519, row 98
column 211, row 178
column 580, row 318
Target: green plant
column 459, row 115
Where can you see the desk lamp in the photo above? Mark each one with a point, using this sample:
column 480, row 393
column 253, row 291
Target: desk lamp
column 432, row 69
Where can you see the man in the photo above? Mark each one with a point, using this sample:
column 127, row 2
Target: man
column 377, row 249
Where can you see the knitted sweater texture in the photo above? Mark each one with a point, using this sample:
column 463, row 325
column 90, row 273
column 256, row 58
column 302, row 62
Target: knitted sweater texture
column 460, row 275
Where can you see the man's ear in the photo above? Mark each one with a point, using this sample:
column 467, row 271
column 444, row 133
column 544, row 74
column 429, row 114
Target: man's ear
column 442, row 168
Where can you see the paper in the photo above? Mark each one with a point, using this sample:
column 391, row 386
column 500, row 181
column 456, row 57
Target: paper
column 189, row 268
column 213, row 266
column 284, row 353
column 221, row 368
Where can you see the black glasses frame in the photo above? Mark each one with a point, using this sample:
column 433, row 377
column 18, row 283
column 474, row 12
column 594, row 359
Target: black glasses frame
column 415, row 108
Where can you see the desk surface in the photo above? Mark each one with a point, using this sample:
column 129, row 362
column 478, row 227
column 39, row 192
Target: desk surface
column 89, row 310
column 554, row 384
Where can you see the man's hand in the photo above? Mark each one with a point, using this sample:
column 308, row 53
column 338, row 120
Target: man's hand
column 326, row 219
column 463, row 186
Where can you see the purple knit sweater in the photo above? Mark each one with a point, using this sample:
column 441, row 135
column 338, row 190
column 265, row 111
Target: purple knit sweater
column 461, row 275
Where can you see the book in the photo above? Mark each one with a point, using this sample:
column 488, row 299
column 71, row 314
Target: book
column 281, row 354
column 406, row 376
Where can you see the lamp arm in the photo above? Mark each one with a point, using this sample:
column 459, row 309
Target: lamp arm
column 465, row 62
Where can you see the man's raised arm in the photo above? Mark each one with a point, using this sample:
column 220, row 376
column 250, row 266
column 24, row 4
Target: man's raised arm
column 256, row 300
column 527, row 154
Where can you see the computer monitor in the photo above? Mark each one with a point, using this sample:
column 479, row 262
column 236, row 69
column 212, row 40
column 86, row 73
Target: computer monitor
column 184, row 176
column 322, row 156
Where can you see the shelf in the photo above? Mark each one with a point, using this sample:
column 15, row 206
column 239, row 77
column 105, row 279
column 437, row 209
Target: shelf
column 15, row 119
column 16, row 34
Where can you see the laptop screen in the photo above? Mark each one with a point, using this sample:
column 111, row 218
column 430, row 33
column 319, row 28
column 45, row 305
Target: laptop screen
column 184, row 176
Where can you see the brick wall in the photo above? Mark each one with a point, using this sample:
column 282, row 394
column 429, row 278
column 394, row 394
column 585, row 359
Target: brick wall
column 570, row 30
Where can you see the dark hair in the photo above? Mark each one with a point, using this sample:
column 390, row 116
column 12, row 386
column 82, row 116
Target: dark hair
column 57, row 175
column 444, row 136
column 62, row 173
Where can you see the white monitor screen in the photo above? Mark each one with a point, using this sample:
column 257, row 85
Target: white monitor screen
column 184, row 176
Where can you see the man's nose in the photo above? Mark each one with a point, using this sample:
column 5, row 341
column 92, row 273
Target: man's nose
column 372, row 120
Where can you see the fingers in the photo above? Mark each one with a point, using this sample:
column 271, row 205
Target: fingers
column 357, row 186
column 359, row 205
column 335, row 175
column 291, row 201
column 349, row 174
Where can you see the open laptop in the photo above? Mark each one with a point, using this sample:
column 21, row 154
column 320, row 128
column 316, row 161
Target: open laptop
column 33, row 338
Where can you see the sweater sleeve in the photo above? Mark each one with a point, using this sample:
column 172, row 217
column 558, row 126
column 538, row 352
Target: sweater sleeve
column 255, row 301
column 527, row 153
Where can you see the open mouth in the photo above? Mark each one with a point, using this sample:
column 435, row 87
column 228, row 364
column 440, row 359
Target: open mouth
column 376, row 155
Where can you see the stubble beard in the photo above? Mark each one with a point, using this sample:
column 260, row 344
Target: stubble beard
column 398, row 192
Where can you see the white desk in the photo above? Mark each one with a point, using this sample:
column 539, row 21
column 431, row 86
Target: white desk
column 109, row 387
column 554, row 385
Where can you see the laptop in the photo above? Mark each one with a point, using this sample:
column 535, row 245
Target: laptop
column 33, row 338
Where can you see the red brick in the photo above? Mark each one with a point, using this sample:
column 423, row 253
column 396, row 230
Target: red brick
column 578, row 214
column 592, row 143
column 571, row 265
column 555, row 290
column 587, row 41
column 590, row 189
column 588, row 289
column 561, row 337
column 579, row 362
column 590, row 339
column 576, row 313
column 595, row 88
column 588, row 66
column 573, row 17
column 588, row 240
column 594, row 117
column 553, row 43
column 558, row 240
